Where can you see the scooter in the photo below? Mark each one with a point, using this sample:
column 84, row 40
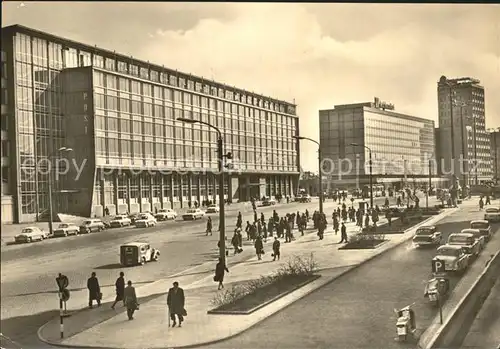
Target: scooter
column 405, row 324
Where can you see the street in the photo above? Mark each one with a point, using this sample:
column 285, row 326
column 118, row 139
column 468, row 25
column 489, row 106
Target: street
column 356, row 310
column 29, row 297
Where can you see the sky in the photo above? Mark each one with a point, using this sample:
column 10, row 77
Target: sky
column 316, row 55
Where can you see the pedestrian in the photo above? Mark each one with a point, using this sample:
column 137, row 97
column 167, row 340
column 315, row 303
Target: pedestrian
column 220, row 270
column 209, row 226
column 343, row 233
column 94, row 290
column 481, row 203
column 255, row 219
column 367, row 220
column 239, row 220
column 259, row 247
column 130, row 300
column 488, row 200
column 235, row 241
column 276, row 249
column 175, row 302
column 247, row 230
column 270, row 226
column 120, row 290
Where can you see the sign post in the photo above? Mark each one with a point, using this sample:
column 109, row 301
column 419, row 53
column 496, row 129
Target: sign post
column 62, row 283
column 438, row 266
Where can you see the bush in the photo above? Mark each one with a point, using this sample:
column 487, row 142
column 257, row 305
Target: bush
column 296, row 266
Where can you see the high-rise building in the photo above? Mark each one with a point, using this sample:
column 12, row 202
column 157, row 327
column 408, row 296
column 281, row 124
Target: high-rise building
column 464, row 141
column 495, row 152
column 128, row 153
column 401, row 145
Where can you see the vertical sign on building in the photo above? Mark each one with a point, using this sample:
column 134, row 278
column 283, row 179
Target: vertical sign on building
column 85, row 116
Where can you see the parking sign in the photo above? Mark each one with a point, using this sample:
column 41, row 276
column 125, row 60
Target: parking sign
column 438, row 266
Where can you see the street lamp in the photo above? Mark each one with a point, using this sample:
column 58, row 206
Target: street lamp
column 319, row 170
column 51, row 209
column 220, row 158
column 371, row 173
column 430, row 184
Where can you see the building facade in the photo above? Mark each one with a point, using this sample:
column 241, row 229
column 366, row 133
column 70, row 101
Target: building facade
column 495, row 152
column 401, row 145
column 464, row 141
column 128, row 153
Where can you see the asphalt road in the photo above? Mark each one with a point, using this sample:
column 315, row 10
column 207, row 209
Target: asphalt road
column 28, row 288
column 356, row 310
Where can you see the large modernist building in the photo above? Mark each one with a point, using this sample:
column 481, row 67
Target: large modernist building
column 462, row 130
column 495, row 152
column 118, row 116
column 401, row 145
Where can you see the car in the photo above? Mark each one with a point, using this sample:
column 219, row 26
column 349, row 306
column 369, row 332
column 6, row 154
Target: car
column 145, row 220
column 268, row 202
column 454, row 258
column 427, row 235
column 134, row 216
column 305, row 198
column 213, row 209
column 467, row 241
column 165, row 214
column 492, row 214
column 119, row 221
column 137, row 253
column 91, row 225
column 65, row 229
column 30, row 234
column 483, row 226
column 480, row 238
column 193, row 214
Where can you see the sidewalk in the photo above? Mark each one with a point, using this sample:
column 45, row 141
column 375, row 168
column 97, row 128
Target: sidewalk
column 202, row 328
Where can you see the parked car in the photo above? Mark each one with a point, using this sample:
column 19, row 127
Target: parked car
column 427, row 235
column 212, row 209
column 30, row 234
column 91, row 225
column 466, row 241
column 145, row 220
column 480, row 238
column 193, row 214
column 133, row 217
column 65, row 229
column 492, row 214
column 454, row 258
column 119, row 221
column 268, row 202
column 484, row 227
column 305, row 198
column 137, row 253
column 165, row 214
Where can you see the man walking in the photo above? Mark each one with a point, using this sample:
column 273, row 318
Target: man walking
column 175, row 302
column 259, row 247
column 276, row 248
column 120, row 290
column 220, row 270
column 209, row 226
column 94, row 290
column 130, row 300
column 343, row 233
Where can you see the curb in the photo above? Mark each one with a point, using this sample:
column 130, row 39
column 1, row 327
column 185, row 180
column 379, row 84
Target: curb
column 326, row 282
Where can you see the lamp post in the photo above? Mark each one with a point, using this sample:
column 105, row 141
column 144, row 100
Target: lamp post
column 220, row 158
column 371, row 173
column 321, row 198
column 51, row 209
column 430, row 184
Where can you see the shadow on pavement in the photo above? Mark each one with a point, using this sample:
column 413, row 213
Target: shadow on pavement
column 23, row 329
column 110, row 266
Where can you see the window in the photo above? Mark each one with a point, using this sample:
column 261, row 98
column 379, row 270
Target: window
column 112, row 124
column 146, row 89
column 187, row 98
column 148, row 150
column 159, row 149
column 133, row 70
column 124, row 105
column 167, row 94
column 113, row 146
column 158, row 111
column 100, row 122
column 137, row 127
column 110, row 64
column 122, row 67
column 148, row 128
column 137, row 149
column 144, row 73
column 125, row 125
column 154, row 76
column 124, row 85
column 135, row 87
column 177, row 96
column 136, row 107
column 99, row 101
column 148, row 109
column 112, row 103
column 100, row 145
column 169, row 113
column 98, row 78
column 158, row 92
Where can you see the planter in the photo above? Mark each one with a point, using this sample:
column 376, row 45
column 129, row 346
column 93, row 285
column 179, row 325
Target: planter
column 364, row 244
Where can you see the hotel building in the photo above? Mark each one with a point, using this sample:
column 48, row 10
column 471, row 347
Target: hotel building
column 462, row 130
column 401, row 145
column 128, row 152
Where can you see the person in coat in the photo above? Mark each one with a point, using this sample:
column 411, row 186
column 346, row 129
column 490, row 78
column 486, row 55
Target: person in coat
column 130, row 300
column 235, row 241
column 343, row 233
column 175, row 302
column 209, row 226
column 94, row 290
column 220, row 270
column 259, row 247
column 120, row 290
column 276, row 248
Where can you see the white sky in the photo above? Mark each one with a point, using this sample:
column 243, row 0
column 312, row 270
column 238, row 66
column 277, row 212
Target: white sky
column 318, row 54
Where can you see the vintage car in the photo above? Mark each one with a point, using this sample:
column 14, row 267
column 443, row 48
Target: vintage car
column 427, row 235
column 119, row 221
column 165, row 214
column 134, row 216
column 467, row 241
column 91, row 225
column 268, row 202
column 145, row 220
column 65, row 229
column 453, row 256
column 137, row 253
column 492, row 214
column 213, row 209
column 436, row 289
column 193, row 214
column 305, row 198
column 480, row 238
column 30, row 234
column 484, row 227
